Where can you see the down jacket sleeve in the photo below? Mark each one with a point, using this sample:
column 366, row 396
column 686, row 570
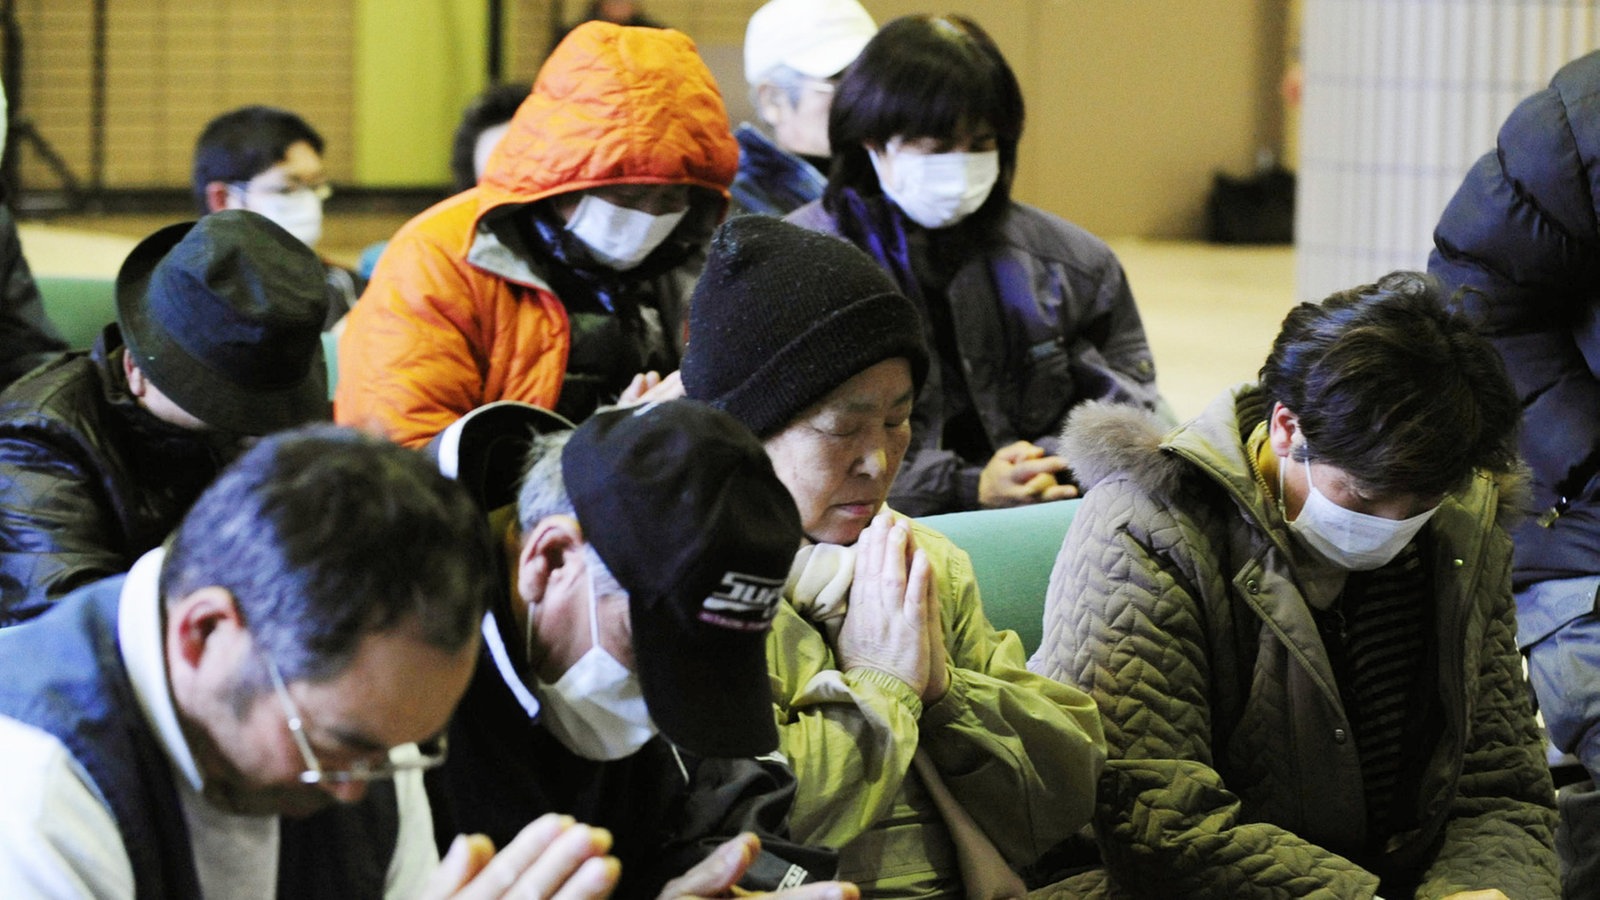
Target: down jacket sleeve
column 1019, row 751
column 434, row 337
column 1125, row 620
column 1523, row 234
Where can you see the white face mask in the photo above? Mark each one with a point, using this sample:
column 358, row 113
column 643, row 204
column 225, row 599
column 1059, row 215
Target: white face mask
column 597, row 708
column 1348, row 539
column 298, row 212
column 936, row 189
column 618, row 236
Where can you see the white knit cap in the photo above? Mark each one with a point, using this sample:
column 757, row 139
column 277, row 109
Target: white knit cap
column 817, row 38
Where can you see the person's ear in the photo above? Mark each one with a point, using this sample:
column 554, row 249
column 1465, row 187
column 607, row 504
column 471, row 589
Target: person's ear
column 546, row 548
column 1283, row 430
column 137, row 383
column 772, row 103
column 216, row 195
column 199, row 620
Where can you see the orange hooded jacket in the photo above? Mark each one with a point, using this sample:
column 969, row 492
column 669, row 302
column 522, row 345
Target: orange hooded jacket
column 452, row 318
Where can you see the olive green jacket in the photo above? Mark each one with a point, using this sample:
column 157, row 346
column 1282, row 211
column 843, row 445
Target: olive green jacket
column 1180, row 603
column 1020, row 752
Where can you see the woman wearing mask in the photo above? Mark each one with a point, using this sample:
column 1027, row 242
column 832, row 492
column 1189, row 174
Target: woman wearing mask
column 564, row 273
column 1026, row 314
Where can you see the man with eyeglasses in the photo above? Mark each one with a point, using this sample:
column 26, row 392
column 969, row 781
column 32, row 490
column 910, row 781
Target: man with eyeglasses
column 248, row 711
column 269, row 161
column 794, row 52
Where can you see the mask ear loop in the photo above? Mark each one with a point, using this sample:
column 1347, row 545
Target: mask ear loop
column 1283, row 502
column 594, row 604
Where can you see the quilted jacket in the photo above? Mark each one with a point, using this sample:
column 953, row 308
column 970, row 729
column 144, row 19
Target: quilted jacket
column 1179, row 601
column 1523, row 231
column 89, row 481
column 1041, row 320
column 455, row 316
column 1020, row 753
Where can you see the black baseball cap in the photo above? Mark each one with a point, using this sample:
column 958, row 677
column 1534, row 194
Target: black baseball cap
column 682, row 504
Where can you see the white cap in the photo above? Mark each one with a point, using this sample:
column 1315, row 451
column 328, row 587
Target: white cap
column 817, row 38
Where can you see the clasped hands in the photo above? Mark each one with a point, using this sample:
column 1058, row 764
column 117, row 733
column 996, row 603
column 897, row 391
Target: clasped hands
column 555, row 858
column 893, row 623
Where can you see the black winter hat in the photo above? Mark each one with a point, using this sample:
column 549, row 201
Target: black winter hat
column 225, row 316
column 783, row 315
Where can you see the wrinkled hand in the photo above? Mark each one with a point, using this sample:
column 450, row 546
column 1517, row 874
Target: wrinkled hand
column 1021, row 473
column 1489, row 894
column 650, row 387
column 893, row 623
column 716, row 875
column 554, row 857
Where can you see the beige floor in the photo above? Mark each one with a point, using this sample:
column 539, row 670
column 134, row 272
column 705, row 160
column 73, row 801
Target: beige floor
column 1211, row 312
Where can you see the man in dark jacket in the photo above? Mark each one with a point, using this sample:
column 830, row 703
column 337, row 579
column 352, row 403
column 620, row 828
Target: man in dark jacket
column 217, row 337
column 624, row 676
column 1521, row 236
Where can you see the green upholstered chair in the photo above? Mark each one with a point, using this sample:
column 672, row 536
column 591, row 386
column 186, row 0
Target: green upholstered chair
column 1013, row 551
column 80, row 307
column 330, row 355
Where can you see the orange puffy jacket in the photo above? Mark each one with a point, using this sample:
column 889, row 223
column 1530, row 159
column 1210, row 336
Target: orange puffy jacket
column 452, row 318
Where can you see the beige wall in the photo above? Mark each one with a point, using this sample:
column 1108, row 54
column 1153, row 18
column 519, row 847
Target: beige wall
column 1132, row 104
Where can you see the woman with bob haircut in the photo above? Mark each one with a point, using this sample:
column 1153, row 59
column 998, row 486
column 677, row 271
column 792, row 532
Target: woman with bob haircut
column 1026, row 314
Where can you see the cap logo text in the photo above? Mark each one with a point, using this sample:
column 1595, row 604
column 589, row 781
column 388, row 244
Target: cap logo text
column 743, row 602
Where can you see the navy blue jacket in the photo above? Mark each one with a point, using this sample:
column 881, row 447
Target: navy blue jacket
column 1523, row 231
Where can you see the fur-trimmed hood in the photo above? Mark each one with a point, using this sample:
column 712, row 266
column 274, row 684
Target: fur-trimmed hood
column 1103, row 440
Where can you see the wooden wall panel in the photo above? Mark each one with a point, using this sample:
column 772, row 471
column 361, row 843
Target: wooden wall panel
column 171, row 65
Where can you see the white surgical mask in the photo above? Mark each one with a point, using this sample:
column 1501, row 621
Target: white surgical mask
column 936, row 189
column 596, row 709
column 1349, row 539
column 618, row 236
column 297, row 212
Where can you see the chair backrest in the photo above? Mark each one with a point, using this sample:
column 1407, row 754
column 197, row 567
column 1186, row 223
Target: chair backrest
column 80, row 307
column 330, row 355
column 1013, row 551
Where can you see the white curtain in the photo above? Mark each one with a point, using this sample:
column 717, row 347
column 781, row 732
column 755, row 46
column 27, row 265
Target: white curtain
column 1400, row 98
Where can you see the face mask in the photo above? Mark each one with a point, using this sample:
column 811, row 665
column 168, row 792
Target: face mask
column 618, row 236
column 1346, row 538
column 297, row 212
column 597, row 708
column 936, row 189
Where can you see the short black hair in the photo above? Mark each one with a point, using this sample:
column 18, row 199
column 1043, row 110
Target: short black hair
column 924, row 76
column 1393, row 387
column 241, row 144
column 324, row 535
column 496, row 105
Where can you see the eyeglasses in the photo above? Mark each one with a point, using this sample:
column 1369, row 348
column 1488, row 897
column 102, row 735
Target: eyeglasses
column 406, row 758
column 321, row 191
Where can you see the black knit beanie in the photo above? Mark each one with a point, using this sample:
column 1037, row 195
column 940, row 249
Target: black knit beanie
column 783, row 315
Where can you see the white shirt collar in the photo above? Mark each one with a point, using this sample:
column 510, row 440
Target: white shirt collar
column 140, row 633
column 508, row 672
